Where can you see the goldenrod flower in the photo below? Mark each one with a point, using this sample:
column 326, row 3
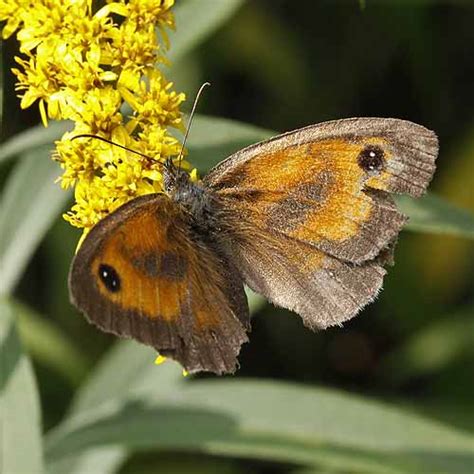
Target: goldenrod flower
column 83, row 65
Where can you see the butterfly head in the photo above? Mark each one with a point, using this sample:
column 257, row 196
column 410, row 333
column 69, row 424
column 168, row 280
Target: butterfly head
column 174, row 178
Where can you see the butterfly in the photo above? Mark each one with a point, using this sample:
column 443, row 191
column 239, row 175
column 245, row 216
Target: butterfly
column 306, row 219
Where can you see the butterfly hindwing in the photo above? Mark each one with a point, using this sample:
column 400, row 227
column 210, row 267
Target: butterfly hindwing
column 142, row 273
column 323, row 290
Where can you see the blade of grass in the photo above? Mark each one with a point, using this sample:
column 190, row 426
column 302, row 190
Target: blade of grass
column 20, row 422
column 103, row 460
column 48, row 345
column 29, row 204
column 216, row 131
column 127, row 368
column 267, row 420
column 213, row 139
column 135, row 364
column 33, row 138
column 433, row 214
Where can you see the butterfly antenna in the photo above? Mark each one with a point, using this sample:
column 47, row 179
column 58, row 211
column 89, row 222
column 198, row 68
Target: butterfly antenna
column 97, row 137
column 191, row 116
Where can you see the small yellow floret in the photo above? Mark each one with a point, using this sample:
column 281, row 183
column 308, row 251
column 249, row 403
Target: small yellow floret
column 98, row 69
column 160, row 359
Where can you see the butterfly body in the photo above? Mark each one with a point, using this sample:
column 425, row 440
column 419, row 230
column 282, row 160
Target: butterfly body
column 194, row 199
column 306, row 219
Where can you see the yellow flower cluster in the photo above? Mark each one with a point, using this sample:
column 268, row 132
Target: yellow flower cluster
column 98, row 68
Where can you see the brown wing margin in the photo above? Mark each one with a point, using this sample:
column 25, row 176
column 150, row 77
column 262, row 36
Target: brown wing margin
column 176, row 293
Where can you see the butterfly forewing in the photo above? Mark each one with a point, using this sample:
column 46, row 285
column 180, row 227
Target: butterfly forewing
column 143, row 273
column 329, row 184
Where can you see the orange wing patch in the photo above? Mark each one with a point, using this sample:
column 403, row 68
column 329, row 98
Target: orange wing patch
column 139, row 251
column 159, row 267
column 315, row 192
column 345, row 207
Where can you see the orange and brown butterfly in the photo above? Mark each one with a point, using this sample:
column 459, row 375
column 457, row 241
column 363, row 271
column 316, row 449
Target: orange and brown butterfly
column 306, row 219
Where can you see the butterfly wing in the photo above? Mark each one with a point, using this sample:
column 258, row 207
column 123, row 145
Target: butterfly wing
column 143, row 273
column 323, row 290
column 316, row 221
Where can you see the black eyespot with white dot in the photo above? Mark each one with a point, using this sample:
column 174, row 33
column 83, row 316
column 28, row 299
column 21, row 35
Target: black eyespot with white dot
column 109, row 277
column 371, row 158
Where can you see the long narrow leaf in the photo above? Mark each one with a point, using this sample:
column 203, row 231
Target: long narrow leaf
column 20, row 420
column 213, row 139
column 128, row 368
column 433, row 214
column 33, row 138
column 268, row 420
column 208, row 131
column 49, row 345
column 30, row 202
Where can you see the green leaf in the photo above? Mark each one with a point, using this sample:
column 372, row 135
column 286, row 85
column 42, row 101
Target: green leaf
column 47, row 344
column 103, row 460
column 20, row 420
column 33, row 138
column 208, row 131
column 432, row 214
column 196, row 20
column 127, row 369
column 271, row 421
column 171, row 463
column 213, row 139
column 30, row 202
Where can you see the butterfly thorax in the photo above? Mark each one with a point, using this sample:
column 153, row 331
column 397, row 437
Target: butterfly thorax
column 192, row 197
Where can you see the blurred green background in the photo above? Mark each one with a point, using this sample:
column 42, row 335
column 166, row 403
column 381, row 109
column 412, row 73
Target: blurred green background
column 402, row 370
